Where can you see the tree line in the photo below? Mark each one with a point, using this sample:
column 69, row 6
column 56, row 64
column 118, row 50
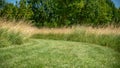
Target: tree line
column 57, row 13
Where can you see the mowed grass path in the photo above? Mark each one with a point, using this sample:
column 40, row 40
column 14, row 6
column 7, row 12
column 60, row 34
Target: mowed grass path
column 38, row 53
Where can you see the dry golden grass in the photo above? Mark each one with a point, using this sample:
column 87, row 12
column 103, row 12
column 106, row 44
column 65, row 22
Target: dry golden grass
column 27, row 28
column 20, row 26
column 104, row 30
column 56, row 30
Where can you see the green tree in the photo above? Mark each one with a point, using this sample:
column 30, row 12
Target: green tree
column 24, row 10
column 117, row 16
column 2, row 3
column 9, row 11
column 63, row 12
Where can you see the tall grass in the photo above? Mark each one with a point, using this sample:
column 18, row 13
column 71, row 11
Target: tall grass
column 14, row 32
column 24, row 27
column 10, row 33
column 8, row 38
column 96, row 36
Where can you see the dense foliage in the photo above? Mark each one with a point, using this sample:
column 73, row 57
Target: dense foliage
column 54, row 13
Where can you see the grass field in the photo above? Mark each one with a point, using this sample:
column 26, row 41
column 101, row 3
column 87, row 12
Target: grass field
column 25, row 46
column 38, row 53
column 107, row 40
